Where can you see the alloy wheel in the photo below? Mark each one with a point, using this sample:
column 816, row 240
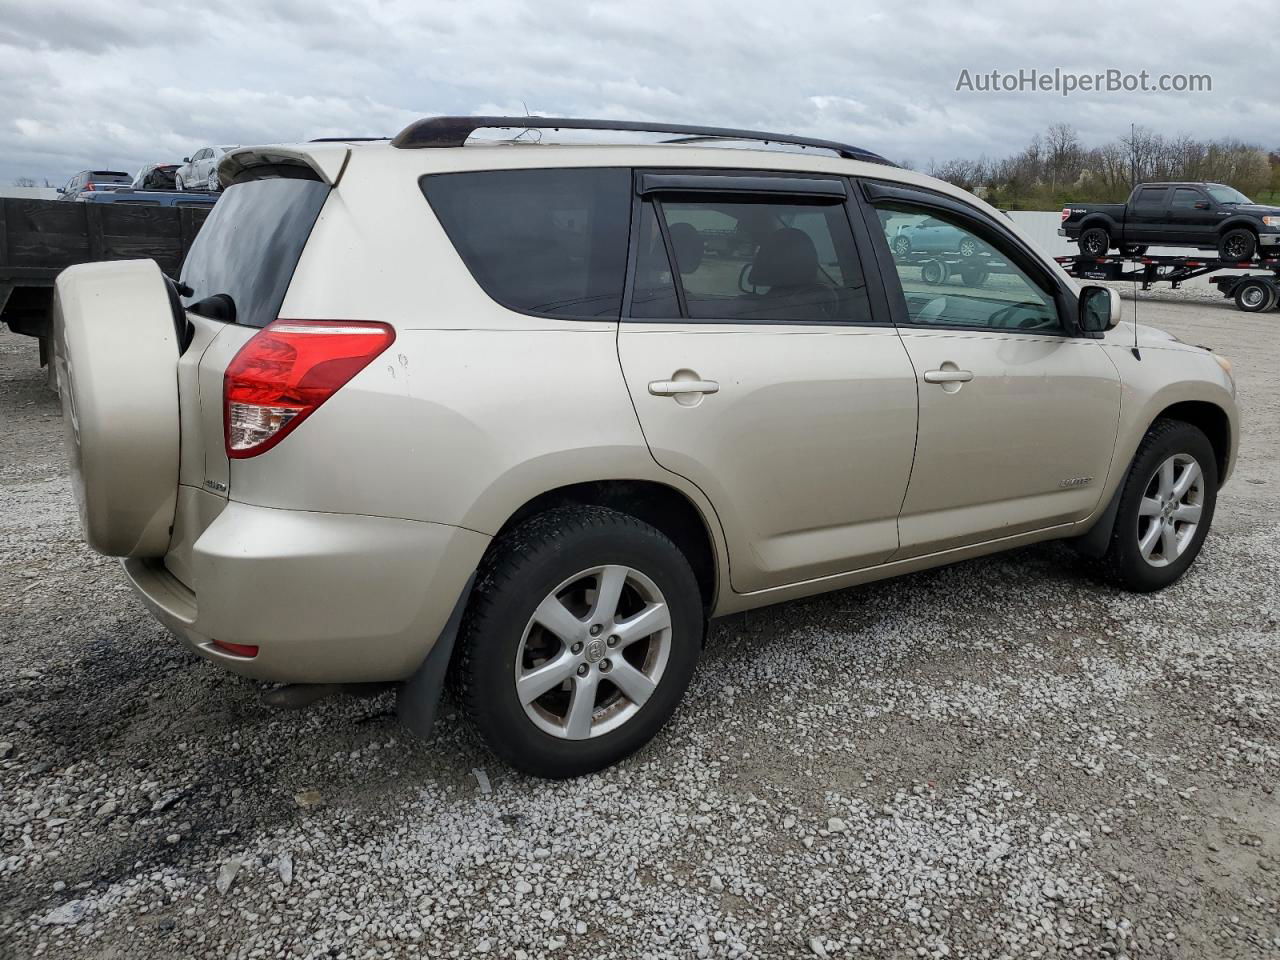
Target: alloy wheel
column 1169, row 513
column 593, row 652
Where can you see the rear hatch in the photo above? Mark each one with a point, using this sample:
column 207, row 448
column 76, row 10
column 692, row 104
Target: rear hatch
column 238, row 271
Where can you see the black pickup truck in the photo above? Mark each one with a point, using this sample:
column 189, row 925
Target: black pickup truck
column 1208, row 216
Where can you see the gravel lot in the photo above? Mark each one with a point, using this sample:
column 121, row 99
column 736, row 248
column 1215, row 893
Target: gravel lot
column 998, row 759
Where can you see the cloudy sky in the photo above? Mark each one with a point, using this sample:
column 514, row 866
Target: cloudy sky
column 100, row 84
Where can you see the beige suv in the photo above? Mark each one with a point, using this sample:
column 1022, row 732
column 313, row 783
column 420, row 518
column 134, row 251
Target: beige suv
column 530, row 414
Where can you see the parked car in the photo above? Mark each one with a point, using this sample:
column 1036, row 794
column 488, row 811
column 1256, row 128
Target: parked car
column 155, row 176
column 931, row 235
column 498, row 412
column 1207, row 216
column 91, row 181
column 200, row 170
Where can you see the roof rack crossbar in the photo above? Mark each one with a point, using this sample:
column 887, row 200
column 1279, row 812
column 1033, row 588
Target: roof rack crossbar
column 454, row 131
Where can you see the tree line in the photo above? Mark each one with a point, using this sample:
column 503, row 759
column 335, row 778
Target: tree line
column 1056, row 168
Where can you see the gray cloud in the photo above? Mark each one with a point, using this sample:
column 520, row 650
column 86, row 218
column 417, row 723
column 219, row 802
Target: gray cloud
column 87, row 84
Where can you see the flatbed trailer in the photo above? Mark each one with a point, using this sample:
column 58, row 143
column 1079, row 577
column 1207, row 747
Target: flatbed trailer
column 1252, row 292
column 40, row 238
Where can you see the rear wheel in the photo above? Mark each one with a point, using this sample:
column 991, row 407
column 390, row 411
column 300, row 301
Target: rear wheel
column 1166, row 507
column 901, row 246
column 177, row 183
column 580, row 641
column 934, row 272
column 968, row 247
column 1095, row 242
column 1134, row 250
column 1255, row 296
column 1238, row 245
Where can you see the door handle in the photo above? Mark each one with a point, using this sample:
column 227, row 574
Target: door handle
column 672, row 388
column 948, row 376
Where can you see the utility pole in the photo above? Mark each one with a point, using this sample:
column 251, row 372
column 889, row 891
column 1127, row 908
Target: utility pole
column 1133, row 156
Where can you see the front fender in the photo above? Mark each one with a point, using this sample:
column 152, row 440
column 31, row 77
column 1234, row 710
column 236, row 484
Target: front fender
column 1165, row 377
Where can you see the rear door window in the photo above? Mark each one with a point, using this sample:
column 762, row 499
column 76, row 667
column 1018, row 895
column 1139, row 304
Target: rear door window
column 248, row 248
column 550, row 243
column 763, row 259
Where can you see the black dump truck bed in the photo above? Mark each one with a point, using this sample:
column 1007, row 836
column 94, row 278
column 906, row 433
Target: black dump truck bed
column 39, row 238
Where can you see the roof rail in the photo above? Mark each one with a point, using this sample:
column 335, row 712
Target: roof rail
column 346, row 139
column 454, row 131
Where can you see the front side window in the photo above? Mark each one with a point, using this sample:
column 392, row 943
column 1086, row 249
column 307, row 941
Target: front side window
column 770, row 259
column 545, row 242
column 1185, row 198
column 968, row 281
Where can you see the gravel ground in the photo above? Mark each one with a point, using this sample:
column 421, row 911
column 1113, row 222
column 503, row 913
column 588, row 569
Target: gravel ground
column 998, row 759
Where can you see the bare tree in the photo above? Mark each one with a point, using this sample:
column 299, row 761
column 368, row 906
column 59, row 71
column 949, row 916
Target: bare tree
column 25, row 182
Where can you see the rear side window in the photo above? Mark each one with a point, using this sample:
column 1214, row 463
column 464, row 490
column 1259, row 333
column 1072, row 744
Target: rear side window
column 550, row 243
column 1152, row 196
column 248, row 248
column 766, row 259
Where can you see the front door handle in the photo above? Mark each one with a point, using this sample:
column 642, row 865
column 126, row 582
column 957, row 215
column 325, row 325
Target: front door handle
column 672, row 388
column 948, row 376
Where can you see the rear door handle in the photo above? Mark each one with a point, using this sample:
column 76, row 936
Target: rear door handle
column 948, row 376
column 672, row 388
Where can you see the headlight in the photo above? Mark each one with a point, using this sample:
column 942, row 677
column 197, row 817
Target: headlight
column 1271, row 221
column 1225, row 364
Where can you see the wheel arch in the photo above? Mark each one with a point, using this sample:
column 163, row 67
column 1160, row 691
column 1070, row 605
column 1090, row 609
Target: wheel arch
column 1097, row 220
column 1211, row 420
column 660, row 505
column 1237, row 223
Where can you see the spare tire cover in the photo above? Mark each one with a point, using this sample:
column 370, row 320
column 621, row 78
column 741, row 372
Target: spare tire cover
column 116, row 351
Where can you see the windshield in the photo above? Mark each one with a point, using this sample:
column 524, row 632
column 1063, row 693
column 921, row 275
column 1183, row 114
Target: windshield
column 1225, row 194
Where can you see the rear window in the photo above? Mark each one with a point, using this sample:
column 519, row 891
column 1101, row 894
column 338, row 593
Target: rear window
column 111, row 176
column 551, row 243
column 248, row 248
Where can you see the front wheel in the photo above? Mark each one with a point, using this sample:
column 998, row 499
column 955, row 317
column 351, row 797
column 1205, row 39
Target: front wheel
column 178, row 184
column 1238, row 245
column 1166, row 507
column 580, row 640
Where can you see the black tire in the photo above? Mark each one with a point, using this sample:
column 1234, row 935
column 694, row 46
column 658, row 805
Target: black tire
column 1095, row 242
column 901, row 246
column 1134, row 250
column 934, row 272
column 520, row 570
column 1255, row 296
column 1123, row 562
column 1238, row 245
column 974, row 276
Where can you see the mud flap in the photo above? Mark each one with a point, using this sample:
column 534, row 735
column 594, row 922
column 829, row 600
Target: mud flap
column 418, row 698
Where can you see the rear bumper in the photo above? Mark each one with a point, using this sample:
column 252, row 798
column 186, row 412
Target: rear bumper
column 326, row 598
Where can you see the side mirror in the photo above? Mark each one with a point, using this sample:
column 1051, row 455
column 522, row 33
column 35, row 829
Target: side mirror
column 62, row 189
column 1099, row 310
column 186, row 159
column 1202, row 205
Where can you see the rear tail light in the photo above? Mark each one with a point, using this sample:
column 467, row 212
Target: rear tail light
column 1066, row 214
column 282, row 375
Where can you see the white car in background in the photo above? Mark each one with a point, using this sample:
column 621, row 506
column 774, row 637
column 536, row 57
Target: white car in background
column 200, row 170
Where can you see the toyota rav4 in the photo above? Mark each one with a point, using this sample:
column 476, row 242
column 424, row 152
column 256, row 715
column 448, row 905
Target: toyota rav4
column 530, row 414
